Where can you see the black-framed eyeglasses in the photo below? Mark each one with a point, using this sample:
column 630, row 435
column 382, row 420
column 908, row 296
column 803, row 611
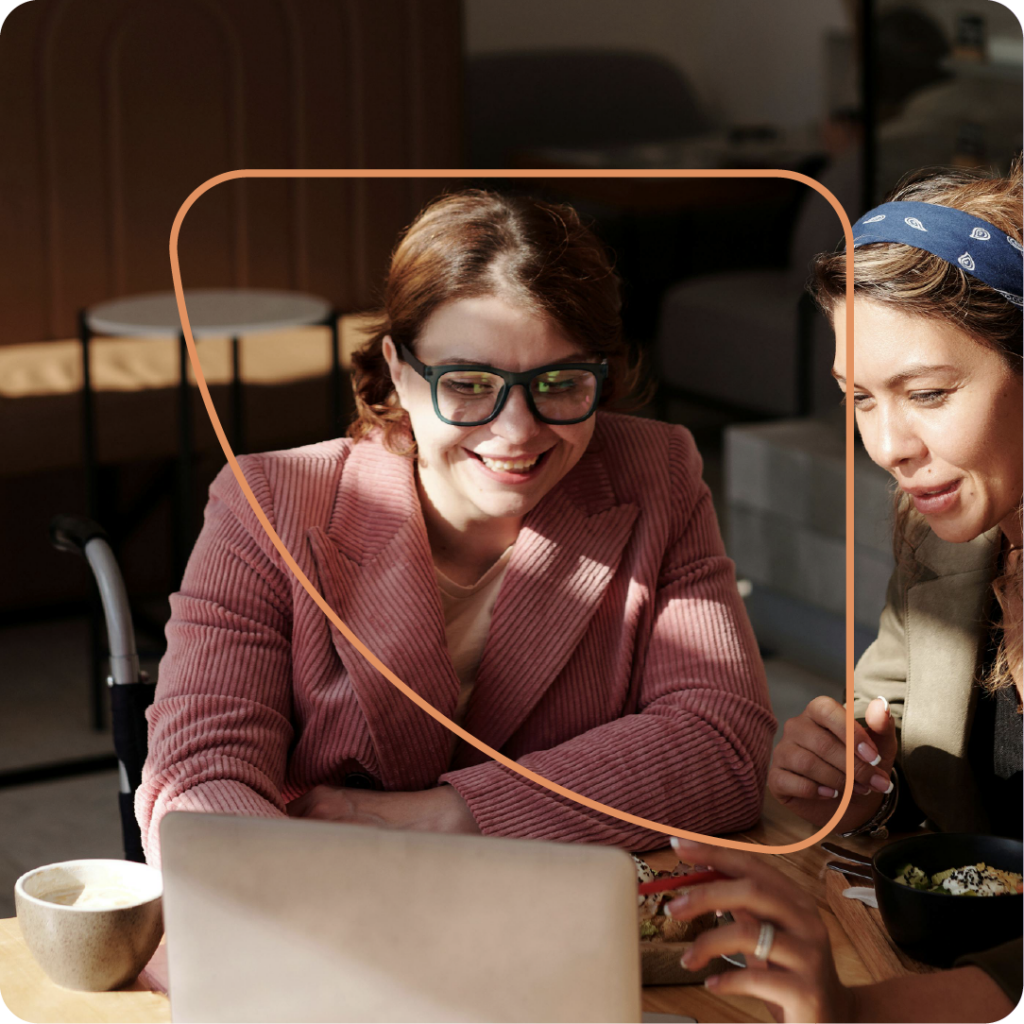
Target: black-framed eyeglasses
column 469, row 395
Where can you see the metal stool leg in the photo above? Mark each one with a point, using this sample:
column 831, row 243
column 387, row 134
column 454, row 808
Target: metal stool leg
column 89, row 461
column 183, row 517
column 90, row 465
column 237, row 408
column 336, row 426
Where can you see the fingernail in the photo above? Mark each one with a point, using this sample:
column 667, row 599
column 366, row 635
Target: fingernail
column 881, row 783
column 889, row 789
column 885, row 702
column 860, row 789
column 682, row 844
column 826, row 791
column 687, row 958
column 869, row 754
column 679, row 901
column 711, row 981
column 666, row 910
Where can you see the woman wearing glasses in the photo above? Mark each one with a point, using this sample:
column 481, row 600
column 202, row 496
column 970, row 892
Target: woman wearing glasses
column 547, row 575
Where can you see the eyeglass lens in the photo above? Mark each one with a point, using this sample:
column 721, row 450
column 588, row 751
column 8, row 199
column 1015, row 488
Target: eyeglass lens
column 560, row 396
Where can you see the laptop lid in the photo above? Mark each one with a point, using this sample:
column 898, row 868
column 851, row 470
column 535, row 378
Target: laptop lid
column 296, row 920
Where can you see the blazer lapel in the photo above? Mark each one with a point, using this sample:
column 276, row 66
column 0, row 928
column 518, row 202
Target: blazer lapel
column 945, row 625
column 564, row 558
column 376, row 572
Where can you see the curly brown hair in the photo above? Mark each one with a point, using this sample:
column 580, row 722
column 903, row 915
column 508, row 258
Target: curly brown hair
column 535, row 255
column 925, row 285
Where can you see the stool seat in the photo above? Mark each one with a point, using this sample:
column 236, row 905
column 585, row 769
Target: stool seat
column 211, row 312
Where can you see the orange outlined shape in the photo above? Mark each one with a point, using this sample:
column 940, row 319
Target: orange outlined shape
column 463, row 173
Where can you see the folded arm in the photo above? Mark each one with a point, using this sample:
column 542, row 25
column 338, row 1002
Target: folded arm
column 220, row 726
column 695, row 756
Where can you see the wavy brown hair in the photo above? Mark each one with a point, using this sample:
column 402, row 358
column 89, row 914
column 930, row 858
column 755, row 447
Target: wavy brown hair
column 535, row 255
column 925, row 285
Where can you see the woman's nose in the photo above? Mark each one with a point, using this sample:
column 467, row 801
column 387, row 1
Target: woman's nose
column 515, row 422
column 894, row 441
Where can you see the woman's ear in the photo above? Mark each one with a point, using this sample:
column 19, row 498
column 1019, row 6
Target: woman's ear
column 390, row 354
column 396, row 368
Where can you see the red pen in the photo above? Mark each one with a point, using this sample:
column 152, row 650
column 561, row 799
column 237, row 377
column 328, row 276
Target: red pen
column 679, row 882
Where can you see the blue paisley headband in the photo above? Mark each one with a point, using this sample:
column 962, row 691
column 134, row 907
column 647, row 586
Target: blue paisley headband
column 979, row 248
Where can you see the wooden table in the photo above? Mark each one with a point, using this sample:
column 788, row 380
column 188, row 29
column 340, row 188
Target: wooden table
column 874, row 960
column 30, row 995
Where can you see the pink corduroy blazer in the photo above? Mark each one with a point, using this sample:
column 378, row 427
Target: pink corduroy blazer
column 620, row 662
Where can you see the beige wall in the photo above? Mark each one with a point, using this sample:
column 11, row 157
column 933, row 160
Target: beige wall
column 751, row 61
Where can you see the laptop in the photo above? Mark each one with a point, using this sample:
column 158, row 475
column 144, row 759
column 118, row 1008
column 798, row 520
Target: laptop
column 296, row 920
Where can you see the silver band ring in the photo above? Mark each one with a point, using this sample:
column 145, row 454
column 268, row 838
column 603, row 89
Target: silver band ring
column 765, row 938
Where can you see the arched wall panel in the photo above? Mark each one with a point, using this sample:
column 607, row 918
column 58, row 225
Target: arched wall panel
column 112, row 111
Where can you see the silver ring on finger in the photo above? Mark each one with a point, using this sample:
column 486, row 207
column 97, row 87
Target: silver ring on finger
column 765, row 938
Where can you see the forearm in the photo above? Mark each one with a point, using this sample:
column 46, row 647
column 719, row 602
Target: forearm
column 819, row 811
column 216, row 754
column 965, row 994
column 440, row 809
column 452, row 813
column 669, row 765
column 223, row 796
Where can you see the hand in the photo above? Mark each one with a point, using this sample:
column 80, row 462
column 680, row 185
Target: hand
column 808, row 770
column 431, row 810
column 800, row 982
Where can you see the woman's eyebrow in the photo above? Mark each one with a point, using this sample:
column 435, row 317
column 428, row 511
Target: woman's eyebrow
column 917, row 370
column 908, row 373
column 578, row 357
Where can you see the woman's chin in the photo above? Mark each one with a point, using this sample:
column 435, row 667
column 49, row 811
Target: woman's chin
column 957, row 531
column 499, row 499
column 501, row 506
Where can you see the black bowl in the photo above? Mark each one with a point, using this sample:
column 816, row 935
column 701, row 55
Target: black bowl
column 936, row 928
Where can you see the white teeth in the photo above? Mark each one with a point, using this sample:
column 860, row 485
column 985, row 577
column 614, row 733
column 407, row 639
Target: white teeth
column 509, row 465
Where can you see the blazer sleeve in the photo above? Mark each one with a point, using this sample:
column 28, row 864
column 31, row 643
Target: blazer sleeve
column 695, row 756
column 220, row 724
column 882, row 669
column 882, row 672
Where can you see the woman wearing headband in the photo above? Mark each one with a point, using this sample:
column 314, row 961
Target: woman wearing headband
column 938, row 403
column 938, row 399
column 548, row 575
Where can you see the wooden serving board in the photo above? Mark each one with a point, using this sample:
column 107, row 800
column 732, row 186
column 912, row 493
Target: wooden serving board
column 863, row 925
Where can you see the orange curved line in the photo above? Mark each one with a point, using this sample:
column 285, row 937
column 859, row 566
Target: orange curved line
column 424, row 705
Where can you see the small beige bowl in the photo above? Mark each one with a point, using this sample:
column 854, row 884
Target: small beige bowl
column 92, row 925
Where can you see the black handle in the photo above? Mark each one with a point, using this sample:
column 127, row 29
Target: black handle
column 72, row 533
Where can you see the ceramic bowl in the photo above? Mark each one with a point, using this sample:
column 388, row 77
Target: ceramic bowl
column 936, row 928
column 92, row 925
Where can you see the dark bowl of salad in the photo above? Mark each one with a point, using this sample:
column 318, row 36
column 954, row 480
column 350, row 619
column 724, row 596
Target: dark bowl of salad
column 946, row 894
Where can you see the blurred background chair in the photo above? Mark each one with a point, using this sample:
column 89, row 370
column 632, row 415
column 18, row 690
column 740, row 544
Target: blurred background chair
column 518, row 103
column 131, row 692
column 749, row 339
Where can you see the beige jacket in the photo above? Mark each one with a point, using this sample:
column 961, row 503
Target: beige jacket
column 924, row 662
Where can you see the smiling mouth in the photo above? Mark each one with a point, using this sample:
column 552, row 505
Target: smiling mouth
column 935, row 491
column 936, row 500
column 521, row 465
